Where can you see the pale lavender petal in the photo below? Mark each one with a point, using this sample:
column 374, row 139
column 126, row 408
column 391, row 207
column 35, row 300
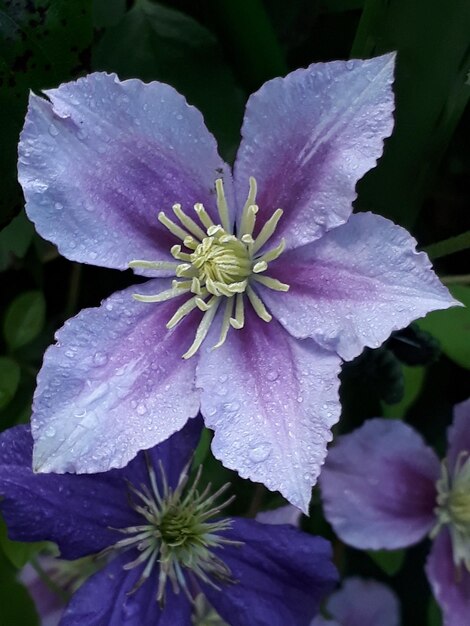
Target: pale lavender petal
column 114, row 384
column 378, row 486
column 364, row 603
column 272, row 401
column 459, row 432
column 105, row 600
column 355, row 286
column 49, row 604
column 282, row 515
column 76, row 512
column 451, row 586
column 308, row 138
column 103, row 157
column 281, row 574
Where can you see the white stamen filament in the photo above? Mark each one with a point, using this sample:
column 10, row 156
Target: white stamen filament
column 215, row 263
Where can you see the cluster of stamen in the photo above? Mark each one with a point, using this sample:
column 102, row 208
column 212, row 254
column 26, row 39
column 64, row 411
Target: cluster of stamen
column 453, row 508
column 177, row 536
column 213, row 263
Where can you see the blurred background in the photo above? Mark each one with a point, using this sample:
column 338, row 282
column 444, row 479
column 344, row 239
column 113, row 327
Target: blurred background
column 216, row 52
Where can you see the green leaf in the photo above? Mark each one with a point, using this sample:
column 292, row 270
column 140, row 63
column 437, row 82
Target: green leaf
column 433, row 58
column 9, row 379
column 452, row 327
column 17, row 607
column 24, row 319
column 413, row 378
column 390, row 561
column 42, row 43
column 434, row 613
column 15, row 239
column 17, row 552
column 173, row 48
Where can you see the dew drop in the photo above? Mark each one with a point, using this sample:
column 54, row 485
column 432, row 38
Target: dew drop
column 272, row 375
column 141, row 409
column 50, row 431
column 53, row 130
column 100, row 359
column 260, row 452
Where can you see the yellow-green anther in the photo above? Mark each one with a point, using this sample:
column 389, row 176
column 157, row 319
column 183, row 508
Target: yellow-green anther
column 182, row 311
column 184, row 270
column 176, row 230
column 273, row 254
column 159, row 297
column 272, row 283
column 225, row 322
column 216, row 263
column 250, row 205
column 191, row 243
column 202, row 329
column 268, row 230
column 260, row 266
column 188, row 223
column 258, row 305
column 153, row 265
column 238, row 321
column 203, row 215
column 222, row 204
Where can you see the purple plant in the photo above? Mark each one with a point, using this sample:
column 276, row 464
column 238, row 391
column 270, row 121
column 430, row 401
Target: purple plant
column 270, row 268
column 361, row 602
column 383, row 488
column 162, row 542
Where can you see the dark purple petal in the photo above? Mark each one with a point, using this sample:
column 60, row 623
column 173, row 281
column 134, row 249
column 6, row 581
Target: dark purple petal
column 364, row 603
column 272, row 401
column 355, row 286
column 459, row 433
column 282, row 576
column 378, row 486
column 73, row 511
column 308, row 138
column 114, row 384
column 451, row 586
column 103, row 157
column 104, row 600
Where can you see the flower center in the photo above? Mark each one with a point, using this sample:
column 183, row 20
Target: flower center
column 215, row 264
column 177, row 534
column 453, row 508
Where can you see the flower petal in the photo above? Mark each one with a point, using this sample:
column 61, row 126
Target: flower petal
column 451, row 587
column 73, row 511
column 308, row 138
column 105, row 600
column 459, row 433
column 272, row 401
column 355, row 286
column 114, row 384
column 378, row 486
column 282, row 515
column 282, row 576
column 103, row 157
column 364, row 603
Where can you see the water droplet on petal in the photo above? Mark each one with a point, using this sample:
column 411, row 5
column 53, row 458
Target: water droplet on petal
column 260, row 452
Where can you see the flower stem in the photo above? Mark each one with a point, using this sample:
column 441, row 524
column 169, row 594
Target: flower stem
column 459, row 279
column 448, row 246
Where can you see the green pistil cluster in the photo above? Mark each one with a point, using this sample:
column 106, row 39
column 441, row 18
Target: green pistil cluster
column 177, row 536
column 214, row 264
column 454, row 508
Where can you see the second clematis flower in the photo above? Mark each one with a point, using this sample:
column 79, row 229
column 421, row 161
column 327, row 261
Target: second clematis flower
column 383, row 488
column 261, row 280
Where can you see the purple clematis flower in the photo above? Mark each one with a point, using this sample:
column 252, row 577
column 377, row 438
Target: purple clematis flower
column 383, row 488
column 267, row 265
column 162, row 542
column 361, row 602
